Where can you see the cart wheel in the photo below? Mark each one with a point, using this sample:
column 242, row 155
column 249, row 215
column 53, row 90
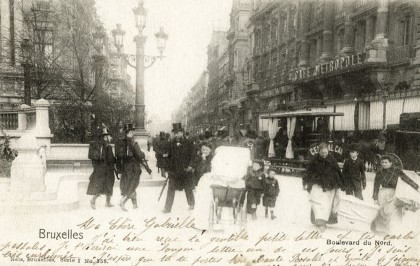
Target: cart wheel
column 217, row 210
column 234, row 206
column 243, row 215
column 211, row 216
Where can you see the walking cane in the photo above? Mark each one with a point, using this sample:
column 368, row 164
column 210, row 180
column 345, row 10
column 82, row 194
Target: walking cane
column 163, row 188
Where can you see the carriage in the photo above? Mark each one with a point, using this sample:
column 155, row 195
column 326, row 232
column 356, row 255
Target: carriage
column 223, row 188
column 299, row 134
column 225, row 196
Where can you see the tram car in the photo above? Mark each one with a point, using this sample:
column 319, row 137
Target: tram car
column 297, row 135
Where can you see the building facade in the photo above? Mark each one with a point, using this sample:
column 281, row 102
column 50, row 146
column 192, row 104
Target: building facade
column 356, row 57
column 217, row 67
column 197, row 105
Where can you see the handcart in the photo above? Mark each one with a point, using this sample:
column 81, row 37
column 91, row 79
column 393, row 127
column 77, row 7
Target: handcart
column 227, row 197
column 229, row 166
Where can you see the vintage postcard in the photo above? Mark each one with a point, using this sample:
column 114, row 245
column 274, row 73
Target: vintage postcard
column 210, row 132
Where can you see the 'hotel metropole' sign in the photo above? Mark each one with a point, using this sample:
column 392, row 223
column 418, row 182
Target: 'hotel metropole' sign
column 329, row 67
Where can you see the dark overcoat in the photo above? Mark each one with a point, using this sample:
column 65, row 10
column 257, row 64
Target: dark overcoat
column 324, row 172
column 131, row 169
column 181, row 153
column 162, row 147
column 201, row 166
column 102, row 179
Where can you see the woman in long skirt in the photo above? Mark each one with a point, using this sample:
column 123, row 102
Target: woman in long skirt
column 101, row 181
column 131, row 170
column 323, row 181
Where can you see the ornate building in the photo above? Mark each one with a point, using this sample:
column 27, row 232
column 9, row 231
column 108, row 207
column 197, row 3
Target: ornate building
column 357, row 57
column 197, row 105
column 238, row 52
column 217, row 94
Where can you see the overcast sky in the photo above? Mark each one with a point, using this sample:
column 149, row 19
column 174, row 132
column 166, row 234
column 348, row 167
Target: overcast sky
column 189, row 24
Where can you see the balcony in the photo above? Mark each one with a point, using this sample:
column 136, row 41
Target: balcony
column 400, row 54
column 363, row 5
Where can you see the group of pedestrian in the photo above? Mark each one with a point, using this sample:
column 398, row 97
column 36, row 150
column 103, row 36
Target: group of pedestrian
column 324, row 179
column 107, row 166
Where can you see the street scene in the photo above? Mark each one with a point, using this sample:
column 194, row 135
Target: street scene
column 210, row 132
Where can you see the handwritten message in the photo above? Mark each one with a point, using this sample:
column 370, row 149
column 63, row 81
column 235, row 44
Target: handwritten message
column 175, row 241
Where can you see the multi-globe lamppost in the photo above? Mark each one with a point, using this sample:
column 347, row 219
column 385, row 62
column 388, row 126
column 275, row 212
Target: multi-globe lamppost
column 142, row 62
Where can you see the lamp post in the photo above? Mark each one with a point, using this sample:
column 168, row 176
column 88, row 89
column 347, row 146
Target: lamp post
column 26, row 47
column 142, row 62
column 98, row 61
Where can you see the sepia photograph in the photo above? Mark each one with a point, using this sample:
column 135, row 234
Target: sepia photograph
column 210, row 132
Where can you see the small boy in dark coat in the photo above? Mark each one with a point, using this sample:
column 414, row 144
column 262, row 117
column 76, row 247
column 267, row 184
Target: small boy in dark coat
column 254, row 182
column 354, row 173
column 271, row 191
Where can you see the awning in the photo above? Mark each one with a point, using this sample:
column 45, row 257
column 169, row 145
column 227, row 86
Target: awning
column 299, row 114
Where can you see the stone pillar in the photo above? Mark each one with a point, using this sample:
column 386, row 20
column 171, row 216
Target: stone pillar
column 380, row 44
column 370, row 31
column 348, row 35
column 42, row 127
column 318, row 48
column 22, row 117
column 27, row 171
column 382, row 21
column 304, row 45
column 327, row 34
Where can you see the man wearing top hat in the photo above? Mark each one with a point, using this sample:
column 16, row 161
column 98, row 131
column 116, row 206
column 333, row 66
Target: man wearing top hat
column 101, row 181
column 180, row 156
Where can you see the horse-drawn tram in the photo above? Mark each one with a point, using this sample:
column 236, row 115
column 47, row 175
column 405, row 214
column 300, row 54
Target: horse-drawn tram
column 294, row 138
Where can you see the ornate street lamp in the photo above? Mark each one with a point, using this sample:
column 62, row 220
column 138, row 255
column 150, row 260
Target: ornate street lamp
column 98, row 37
column 26, row 48
column 140, row 62
column 161, row 38
column 118, row 35
column 140, row 14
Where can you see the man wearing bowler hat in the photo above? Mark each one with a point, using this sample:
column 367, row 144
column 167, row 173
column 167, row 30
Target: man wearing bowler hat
column 180, row 155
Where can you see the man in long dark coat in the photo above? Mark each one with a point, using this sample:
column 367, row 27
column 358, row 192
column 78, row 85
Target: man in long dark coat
column 101, row 181
column 162, row 148
column 180, row 177
column 131, row 171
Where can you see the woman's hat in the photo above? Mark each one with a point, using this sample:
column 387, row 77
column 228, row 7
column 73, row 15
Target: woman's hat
column 105, row 131
column 128, row 127
column 207, row 144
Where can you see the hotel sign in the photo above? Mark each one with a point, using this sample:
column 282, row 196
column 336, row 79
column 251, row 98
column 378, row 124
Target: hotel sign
column 329, row 67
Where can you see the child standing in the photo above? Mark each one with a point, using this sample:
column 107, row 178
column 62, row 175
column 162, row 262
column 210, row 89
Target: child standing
column 354, row 173
column 254, row 182
column 271, row 191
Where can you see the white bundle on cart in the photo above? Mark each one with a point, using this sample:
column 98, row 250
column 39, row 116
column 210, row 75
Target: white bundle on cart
column 229, row 166
column 356, row 214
